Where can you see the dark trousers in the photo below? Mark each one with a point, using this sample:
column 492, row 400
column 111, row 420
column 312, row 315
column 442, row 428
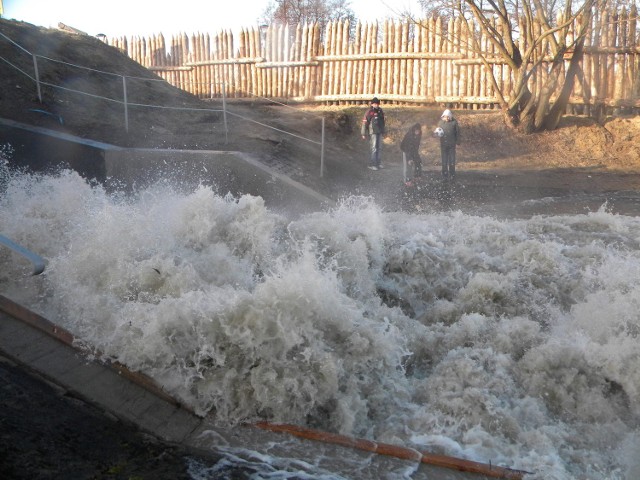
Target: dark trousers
column 448, row 161
column 416, row 171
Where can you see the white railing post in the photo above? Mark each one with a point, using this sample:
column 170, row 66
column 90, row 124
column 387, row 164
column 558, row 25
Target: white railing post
column 126, row 107
column 224, row 112
column 37, row 74
column 322, row 150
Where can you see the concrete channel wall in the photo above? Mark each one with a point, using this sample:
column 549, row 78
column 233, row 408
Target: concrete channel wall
column 237, row 173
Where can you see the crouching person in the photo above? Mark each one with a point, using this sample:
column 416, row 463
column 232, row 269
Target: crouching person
column 410, row 147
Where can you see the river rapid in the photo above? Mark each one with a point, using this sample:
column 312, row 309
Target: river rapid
column 510, row 340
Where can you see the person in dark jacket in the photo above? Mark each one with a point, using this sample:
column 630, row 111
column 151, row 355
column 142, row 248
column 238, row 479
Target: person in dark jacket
column 449, row 132
column 410, row 146
column 373, row 125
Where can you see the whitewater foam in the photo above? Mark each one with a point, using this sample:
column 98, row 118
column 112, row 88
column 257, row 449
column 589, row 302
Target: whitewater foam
column 510, row 341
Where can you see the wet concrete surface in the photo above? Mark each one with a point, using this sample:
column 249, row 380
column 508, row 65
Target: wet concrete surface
column 47, row 432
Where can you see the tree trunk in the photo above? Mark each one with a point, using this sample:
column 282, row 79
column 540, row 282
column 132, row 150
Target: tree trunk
column 557, row 110
column 550, row 86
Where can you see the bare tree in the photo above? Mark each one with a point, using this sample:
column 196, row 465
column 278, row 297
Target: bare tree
column 293, row 12
column 529, row 36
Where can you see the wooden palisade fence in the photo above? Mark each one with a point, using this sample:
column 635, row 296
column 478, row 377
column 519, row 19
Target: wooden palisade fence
column 424, row 63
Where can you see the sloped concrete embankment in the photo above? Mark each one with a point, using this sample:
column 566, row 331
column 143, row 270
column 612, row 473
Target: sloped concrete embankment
column 129, row 169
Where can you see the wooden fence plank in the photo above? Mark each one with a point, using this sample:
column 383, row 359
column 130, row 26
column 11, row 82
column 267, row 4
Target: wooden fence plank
column 634, row 67
column 418, row 64
column 295, row 72
column 316, row 49
column 383, row 70
column 404, row 83
column 429, row 46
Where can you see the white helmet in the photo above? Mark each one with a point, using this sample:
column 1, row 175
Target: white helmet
column 447, row 113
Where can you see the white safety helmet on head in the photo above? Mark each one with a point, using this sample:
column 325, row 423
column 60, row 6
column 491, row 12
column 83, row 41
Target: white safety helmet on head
column 447, row 113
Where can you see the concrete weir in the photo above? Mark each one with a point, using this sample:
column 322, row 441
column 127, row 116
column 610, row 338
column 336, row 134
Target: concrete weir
column 237, row 173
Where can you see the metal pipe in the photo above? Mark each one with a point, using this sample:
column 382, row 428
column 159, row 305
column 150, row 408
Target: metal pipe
column 36, row 260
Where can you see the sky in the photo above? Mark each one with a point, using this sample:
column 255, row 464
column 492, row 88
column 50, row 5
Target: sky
column 115, row 18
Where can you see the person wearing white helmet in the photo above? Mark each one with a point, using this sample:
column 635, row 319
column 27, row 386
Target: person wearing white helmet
column 449, row 133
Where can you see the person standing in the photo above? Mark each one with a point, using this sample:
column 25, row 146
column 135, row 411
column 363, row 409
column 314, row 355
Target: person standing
column 373, row 125
column 449, row 133
column 410, row 146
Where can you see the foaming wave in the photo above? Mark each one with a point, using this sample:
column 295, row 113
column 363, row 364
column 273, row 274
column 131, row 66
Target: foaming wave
column 505, row 340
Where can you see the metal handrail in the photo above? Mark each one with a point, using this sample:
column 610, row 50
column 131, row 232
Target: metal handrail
column 36, row 260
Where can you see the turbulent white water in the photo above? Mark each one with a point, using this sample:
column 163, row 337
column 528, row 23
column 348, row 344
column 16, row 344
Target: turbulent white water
column 515, row 341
